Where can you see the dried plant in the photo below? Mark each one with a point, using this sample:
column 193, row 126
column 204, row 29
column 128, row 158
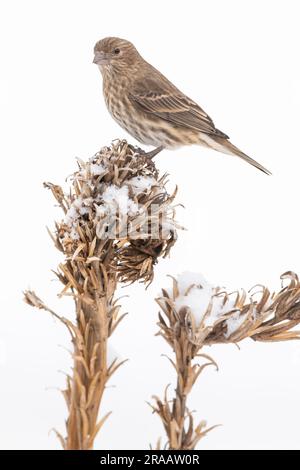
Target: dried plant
column 195, row 314
column 118, row 220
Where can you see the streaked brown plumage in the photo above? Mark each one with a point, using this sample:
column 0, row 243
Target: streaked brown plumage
column 150, row 108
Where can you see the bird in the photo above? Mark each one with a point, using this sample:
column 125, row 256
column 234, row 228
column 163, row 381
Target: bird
column 150, row 108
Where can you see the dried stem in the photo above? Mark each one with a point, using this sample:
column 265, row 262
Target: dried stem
column 91, row 373
column 97, row 315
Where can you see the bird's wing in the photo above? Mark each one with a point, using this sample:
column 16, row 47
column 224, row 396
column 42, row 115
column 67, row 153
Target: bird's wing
column 162, row 99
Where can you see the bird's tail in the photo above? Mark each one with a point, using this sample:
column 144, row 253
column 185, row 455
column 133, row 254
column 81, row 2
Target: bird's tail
column 223, row 145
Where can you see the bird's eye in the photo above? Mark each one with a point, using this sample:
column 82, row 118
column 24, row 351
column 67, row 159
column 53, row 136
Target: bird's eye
column 117, row 51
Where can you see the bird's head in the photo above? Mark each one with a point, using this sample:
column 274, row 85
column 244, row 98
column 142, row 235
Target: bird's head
column 115, row 52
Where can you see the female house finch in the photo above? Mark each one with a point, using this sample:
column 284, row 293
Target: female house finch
column 150, row 108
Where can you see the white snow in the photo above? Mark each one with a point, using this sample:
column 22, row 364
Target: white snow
column 141, row 184
column 96, row 169
column 74, row 234
column 101, row 211
column 198, row 294
column 118, row 198
column 78, row 207
column 83, row 210
column 112, row 200
column 234, row 322
column 187, row 278
column 91, row 169
column 71, row 215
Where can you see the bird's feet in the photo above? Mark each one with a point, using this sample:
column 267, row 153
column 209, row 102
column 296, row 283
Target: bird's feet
column 153, row 152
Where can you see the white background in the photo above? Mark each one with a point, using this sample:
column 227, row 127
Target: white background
column 240, row 61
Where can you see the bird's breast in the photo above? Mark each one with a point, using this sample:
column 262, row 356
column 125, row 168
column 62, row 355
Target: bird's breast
column 116, row 101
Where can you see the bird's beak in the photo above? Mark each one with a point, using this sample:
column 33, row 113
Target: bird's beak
column 101, row 58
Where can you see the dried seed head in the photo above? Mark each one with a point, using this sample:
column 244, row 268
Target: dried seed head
column 214, row 315
column 117, row 201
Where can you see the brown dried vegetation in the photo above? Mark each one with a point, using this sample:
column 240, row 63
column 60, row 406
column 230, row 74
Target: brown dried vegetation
column 261, row 317
column 96, row 257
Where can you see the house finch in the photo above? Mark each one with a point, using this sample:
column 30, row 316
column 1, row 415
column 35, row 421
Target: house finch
column 150, row 108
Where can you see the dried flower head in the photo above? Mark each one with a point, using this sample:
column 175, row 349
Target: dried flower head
column 214, row 315
column 118, row 201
